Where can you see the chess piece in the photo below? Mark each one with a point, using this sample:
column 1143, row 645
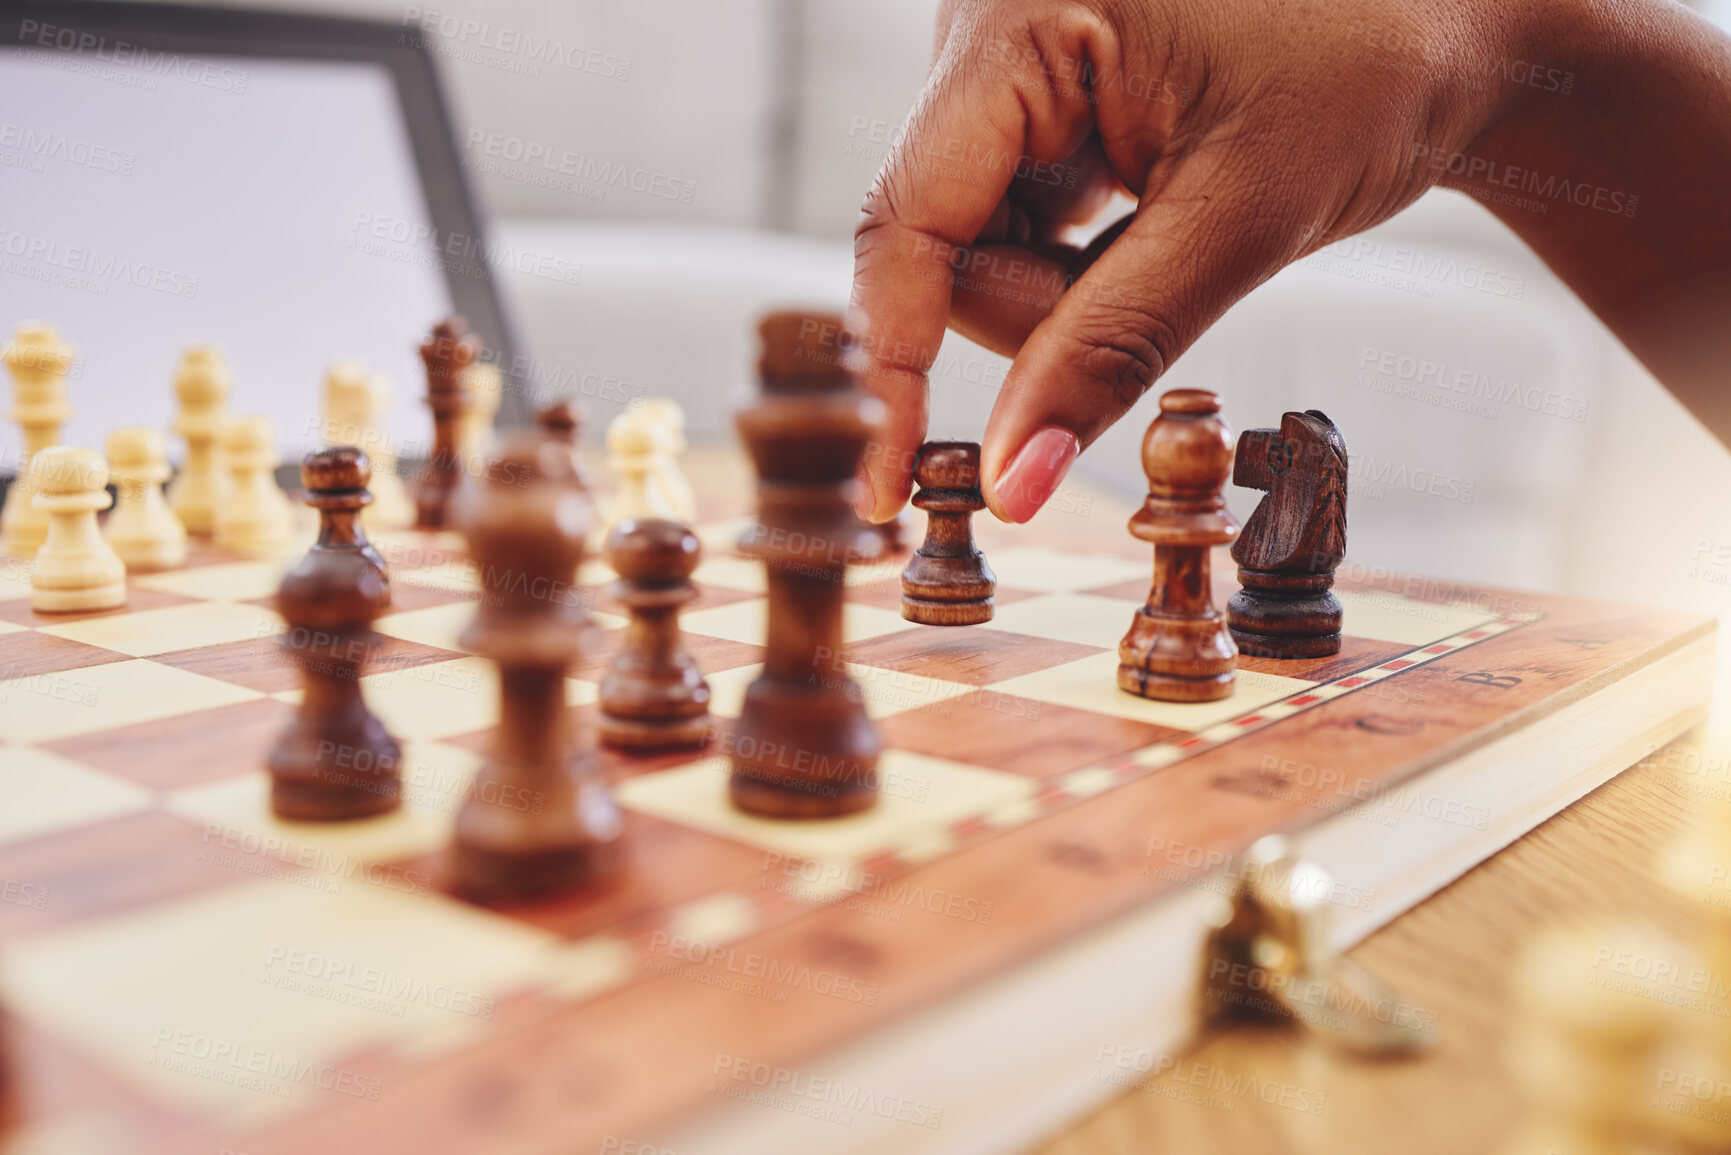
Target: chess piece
column 947, row 582
column 201, row 386
column 142, row 529
column 1580, row 1049
column 335, row 480
column 75, row 569
column 446, row 353
column 354, row 400
column 1178, row 648
column 666, row 421
column 335, row 761
column 803, row 746
column 634, row 457
column 539, row 819
column 484, row 386
column 893, row 531
column 653, row 697
column 255, row 517
column 39, row 362
column 562, row 421
column 1292, row 541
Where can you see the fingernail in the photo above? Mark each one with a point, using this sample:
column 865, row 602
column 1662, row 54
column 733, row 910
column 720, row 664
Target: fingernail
column 1035, row 471
column 865, row 502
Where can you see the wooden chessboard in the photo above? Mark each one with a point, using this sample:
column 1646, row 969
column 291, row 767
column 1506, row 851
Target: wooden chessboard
column 185, row 974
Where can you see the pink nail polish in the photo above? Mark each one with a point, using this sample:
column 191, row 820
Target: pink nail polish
column 1035, row 471
column 865, row 500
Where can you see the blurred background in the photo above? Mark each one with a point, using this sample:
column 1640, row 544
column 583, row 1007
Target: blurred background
column 708, row 161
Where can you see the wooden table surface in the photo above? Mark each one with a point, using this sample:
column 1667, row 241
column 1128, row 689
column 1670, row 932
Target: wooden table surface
column 1453, row 954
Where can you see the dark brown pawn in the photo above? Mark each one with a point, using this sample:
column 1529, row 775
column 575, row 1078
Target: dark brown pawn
column 335, row 480
column 1178, row 648
column 562, row 421
column 1293, row 540
column 803, row 746
column 947, row 582
column 539, row 819
column 446, row 352
column 653, row 697
column 335, row 760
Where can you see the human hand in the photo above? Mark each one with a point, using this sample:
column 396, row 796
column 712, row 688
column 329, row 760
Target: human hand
column 1252, row 132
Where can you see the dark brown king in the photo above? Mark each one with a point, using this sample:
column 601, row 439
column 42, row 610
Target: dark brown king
column 803, row 746
column 1178, row 648
column 446, row 352
column 1293, row 541
column 539, row 820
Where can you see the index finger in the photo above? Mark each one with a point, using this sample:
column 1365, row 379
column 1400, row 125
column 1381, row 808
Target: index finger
column 969, row 132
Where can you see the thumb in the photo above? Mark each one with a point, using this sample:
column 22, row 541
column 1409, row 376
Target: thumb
column 1185, row 257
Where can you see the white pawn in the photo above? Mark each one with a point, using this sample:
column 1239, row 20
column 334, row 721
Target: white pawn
column 142, row 529
column 39, row 361
column 75, row 569
column 255, row 518
column 354, row 398
column 201, row 383
column 666, row 421
column 633, row 457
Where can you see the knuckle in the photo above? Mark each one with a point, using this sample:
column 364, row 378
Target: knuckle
column 1126, row 354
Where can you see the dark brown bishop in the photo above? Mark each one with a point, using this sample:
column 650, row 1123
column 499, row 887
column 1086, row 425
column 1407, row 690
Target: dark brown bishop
column 539, row 819
column 1177, row 648
column 446, row 352
column 1293, row 541
column 653, row 697
column 335, row 760
column 947, row 582
column 803, row 746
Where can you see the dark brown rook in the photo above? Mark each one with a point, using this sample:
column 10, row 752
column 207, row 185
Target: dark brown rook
column 947, row 582
column 335, row 760
column 653, row 697
column 335, row 480
column 803, row 746
column 539, row 819
column 1178, row 648
column 446, row 352
column 1293, row 541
